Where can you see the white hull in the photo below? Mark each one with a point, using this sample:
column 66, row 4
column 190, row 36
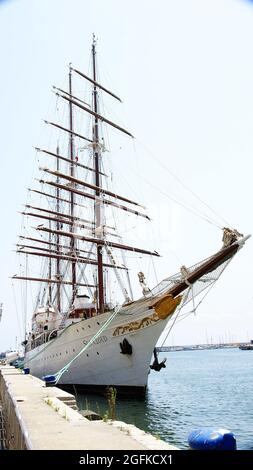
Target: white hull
column 102, row 363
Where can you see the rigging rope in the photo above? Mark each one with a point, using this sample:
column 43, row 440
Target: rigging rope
column 176, row 316
column 184, row 185
column 16, row 311
column 186, row 314
column 203, row 216
column 49, row 343
column 64, row 369
column 179, row 317
column 198, row 214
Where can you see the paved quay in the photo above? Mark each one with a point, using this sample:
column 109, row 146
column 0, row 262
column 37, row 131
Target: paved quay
column 45, row 418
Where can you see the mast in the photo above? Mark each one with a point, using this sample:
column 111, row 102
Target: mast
column 96, row 156
column 58, row 272
column 49, row 267
column 72, row 196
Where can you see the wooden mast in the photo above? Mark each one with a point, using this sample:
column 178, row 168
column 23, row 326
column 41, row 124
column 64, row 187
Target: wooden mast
column 58, row 268
column 90, row 186
column 65, row 129
column 96, row 155
column 65, row 159
column 95, row 83
column 52, row 281
column 93, row 113
column 72, row 174
column 52, row 196
column 99, row 241
column 91, row 196
column 49, row 267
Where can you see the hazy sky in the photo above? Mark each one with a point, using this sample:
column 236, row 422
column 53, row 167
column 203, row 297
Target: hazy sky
column 185, row 71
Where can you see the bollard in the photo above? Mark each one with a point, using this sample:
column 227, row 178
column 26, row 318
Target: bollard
column 49, row 380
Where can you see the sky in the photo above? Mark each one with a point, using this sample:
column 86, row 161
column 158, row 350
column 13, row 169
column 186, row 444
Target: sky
column 185, row 72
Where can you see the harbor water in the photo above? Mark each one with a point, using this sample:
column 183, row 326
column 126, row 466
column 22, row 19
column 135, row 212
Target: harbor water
column 198, row 388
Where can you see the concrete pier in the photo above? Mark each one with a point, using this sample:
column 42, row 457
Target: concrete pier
column 46, row 418
column 2, row 432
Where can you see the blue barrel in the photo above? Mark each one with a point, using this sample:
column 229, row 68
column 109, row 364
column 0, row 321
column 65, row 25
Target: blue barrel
column 49, row 379
column 212, row 439
column 26, row 370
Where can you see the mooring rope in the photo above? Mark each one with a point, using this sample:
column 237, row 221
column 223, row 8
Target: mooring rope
column 64, row 369
column 49, row 343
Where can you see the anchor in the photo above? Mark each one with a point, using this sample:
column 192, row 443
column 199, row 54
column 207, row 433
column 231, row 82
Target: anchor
column 157, row 366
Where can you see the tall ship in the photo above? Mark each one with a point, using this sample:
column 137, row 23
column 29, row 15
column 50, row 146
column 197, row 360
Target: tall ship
column 89, row 328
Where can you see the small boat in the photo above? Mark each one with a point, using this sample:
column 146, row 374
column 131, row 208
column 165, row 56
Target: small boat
column 246, row 346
